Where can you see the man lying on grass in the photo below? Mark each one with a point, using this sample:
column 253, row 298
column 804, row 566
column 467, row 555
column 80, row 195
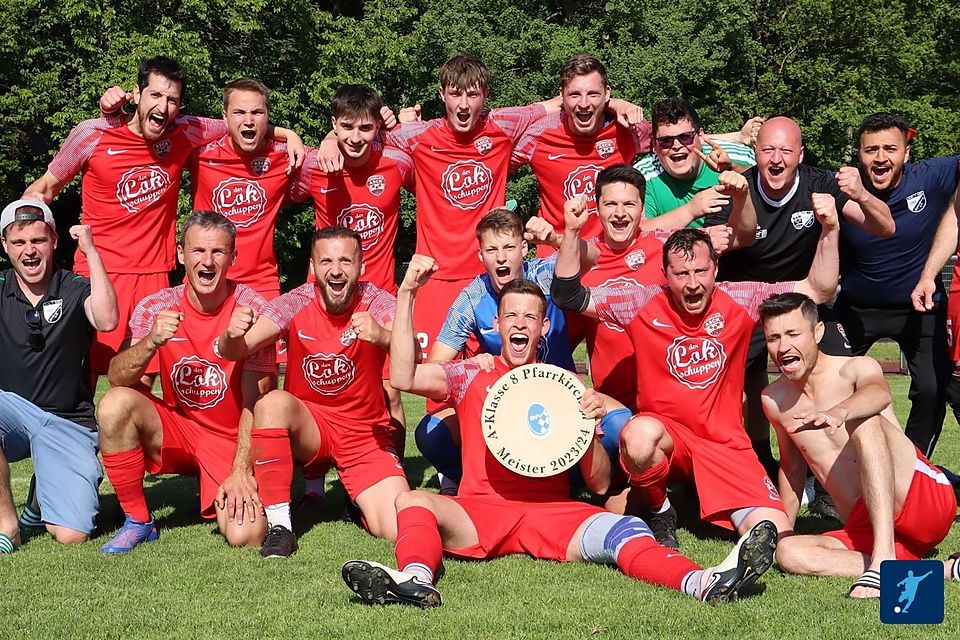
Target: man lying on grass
column 498, row 512
column 833, row 414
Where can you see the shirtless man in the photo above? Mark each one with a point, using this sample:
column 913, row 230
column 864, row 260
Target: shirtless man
column 834, row 414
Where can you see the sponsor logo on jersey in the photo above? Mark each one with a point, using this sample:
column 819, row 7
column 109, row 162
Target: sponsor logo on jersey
column 556, row 156
column 260, row 165
column 635, row 259
column 696, row 361
column 348, row 337
column 917, row 202
column 366, row 220
column 162, row 148
column 483, row 145
column 328, row 373
column 116, row 152
column 582, row 181
column 52, row 310
column 198, row 383
column 605, row 148
column 141, row 186
column 376, row 184
column 241, row 200
column 467, row 184
column 713, row 325
column 802, row 219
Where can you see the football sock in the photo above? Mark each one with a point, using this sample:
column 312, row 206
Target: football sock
column 651, row 485
column 437, row 446
column 693, row 583
column 272, row 464
column 418, row 543
column 279, row 514
column 645, row 559
column 125, row 470
column 316, row 486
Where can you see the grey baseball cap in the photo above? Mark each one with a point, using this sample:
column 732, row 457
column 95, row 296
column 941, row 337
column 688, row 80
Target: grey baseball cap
column 17, row 211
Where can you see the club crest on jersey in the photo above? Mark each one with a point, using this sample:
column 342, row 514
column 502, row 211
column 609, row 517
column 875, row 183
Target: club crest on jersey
column 366, row 220
column 376, row 184
column 348, row 337
column 802, row 219
column 483, row 145
column 328, row 373
column 216, row 347
column 161, row 148
column 582, row 181
column 605, row 148
column 713, row 325
column 141, row 186
column 242, row 201
column 917, row 202
column 199, row 383
column 260, row 166
column 636, row 259
column 52, row 310
column 696, row 362
column 543, row 349
column 467, row 184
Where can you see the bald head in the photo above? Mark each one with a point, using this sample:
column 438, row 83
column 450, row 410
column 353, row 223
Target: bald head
column 779, row 152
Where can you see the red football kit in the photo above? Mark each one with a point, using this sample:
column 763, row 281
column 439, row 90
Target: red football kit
column 249, row 191
column 129, row 195
column 566, row 165
column 690, row 377
column 365, row 199
column 612, row 361
column 337, row 376
column 202, row 392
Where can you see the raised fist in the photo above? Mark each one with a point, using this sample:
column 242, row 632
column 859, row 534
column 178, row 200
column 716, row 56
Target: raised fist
column 165, row 326
column 241, row 320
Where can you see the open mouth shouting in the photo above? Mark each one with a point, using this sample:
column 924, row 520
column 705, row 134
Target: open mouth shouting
column 790, row 364
column 206, row 277
column 517, row 343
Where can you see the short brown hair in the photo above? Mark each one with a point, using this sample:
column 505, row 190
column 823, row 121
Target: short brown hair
column 581, row 65
column 784, row 303
column 683, row 241
column 464, row 72
column 500, row 221
column 525, row 287
column 209, row 220
column 337, row 232
column 356, row 101
column 246, row 84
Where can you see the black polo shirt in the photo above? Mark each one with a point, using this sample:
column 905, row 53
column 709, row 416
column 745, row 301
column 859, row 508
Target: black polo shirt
column 55, row 379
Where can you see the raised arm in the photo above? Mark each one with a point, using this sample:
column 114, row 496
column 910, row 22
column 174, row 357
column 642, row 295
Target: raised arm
column 567, row 291
column 128, row 367
column 101, row 307
column 539, row 231
column 863, row 208
column 45, row 188
column 944, row 246
column 247, row 333
column 824, row 275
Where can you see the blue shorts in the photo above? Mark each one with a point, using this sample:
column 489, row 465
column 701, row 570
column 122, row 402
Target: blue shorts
column 64, row 461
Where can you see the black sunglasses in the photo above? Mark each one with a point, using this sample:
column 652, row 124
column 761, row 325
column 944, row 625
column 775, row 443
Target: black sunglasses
column 36, row 340
column 686, row 139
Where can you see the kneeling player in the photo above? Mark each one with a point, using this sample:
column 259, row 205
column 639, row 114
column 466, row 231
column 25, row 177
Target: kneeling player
column 332, row 408
column 833, row 414
column 206, row 398
column 498, row 512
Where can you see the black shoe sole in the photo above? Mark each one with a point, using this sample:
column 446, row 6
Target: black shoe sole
column 373, row 585
column 756, row 557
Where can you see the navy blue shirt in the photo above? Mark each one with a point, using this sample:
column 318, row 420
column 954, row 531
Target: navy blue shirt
column 881, row 272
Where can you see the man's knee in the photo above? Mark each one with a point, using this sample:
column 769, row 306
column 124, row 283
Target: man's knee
column 275, row 409
column 250, row 534
column 417, row 498
column 789, row 554
column 117, row 408
column 63, row 535
column 641, row 438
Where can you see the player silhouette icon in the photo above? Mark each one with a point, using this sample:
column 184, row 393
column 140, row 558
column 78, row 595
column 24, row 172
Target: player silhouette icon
column 909, row 592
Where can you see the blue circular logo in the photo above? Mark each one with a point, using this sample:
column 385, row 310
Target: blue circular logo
column 538, row 420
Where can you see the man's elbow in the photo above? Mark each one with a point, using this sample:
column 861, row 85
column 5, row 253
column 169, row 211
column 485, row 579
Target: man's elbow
column 885, row 229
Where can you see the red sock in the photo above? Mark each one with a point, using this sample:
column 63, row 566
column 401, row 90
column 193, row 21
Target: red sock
column 272, row 464
column 418, row 539
column 125, row 470
column 651, row 485
column 644, row 559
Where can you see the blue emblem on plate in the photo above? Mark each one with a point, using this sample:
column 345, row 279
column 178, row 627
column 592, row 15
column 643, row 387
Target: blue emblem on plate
column 538, row 420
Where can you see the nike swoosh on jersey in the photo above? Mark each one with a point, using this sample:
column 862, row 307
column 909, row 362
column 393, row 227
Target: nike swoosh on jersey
column 304, row 336
column 555, row 156
column 325, row 190
column 487, row 331
column 116, row 152
column 438, row 149
column 662, row 325
column 176, row 339
column 263, row 462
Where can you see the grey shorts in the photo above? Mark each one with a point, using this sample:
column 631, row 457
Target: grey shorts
column 64, row 457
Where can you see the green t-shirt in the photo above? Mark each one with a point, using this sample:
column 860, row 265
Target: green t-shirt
column 665, row 193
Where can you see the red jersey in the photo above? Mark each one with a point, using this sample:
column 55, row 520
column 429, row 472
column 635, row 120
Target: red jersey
column 612, row 363
column 196, row 381
column 326, row 363
column 459, row 179
column 130, row 188
column 566, row 165
column 483, row 475
column 249, row 190
column 365, row 199
column 690, row 367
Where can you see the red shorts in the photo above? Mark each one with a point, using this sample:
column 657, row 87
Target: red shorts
column 953, row 315
column 726, row 479
column 189, row 449
column 131, row 288
column 923, row 522
column 362, row 458
column 540, row 529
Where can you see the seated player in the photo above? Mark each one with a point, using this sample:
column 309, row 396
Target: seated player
column 332, row 408
column 46, row 405
column 207, row 399
column 833, row 414
column 498, row 512
column 695, row 334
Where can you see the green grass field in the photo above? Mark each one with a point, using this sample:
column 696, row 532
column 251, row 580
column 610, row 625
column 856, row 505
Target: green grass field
column 191, row 585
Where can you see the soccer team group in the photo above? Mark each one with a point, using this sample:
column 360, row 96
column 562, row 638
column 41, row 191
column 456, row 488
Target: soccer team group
column 681, row 273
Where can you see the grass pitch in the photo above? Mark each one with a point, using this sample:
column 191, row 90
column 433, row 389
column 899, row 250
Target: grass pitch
column 191, row 585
